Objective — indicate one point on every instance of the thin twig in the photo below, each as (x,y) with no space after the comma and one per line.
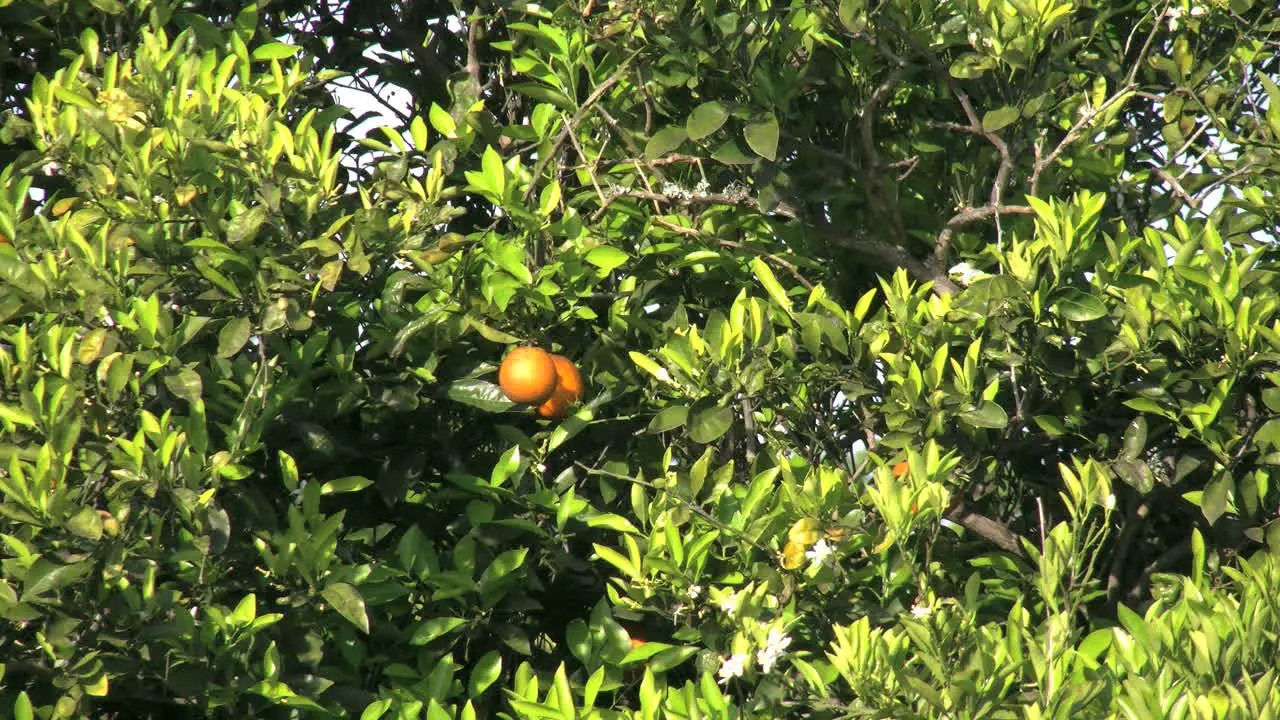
(595,95)
(780,262)
(1087,118)
(573,137)
(696,510)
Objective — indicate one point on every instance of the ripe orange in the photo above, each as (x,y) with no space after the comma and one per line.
(568,391)
(527,375)
(900,469)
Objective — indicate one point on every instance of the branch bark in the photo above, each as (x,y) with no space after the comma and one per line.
(993,531)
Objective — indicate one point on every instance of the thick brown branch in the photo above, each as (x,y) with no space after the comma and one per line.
(893,256)
(967,216)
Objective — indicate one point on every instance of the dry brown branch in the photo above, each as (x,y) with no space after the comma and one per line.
(967,216)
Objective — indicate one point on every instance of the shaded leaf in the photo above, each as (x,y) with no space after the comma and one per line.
(233,336)
(479,393)
(762,137)
(985,415)
(705,119)
(996,119)
(346,599)
(668,139)
(709,424)
(1079,306)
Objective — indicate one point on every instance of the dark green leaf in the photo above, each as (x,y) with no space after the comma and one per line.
(346,599)
(1135,438)
(708,424)
(1079,306)
(731,154)
(669,418)
(479,393)
(45,576)
(985,415)
(233,335)
(997,119)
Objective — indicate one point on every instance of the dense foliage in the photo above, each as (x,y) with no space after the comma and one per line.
(932,351)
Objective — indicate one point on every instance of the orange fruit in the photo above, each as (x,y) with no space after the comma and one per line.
(527,375)
(900,469)
(636,642)
(568,391)
(4,240)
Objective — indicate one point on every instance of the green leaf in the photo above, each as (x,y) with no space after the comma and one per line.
(495,174)
(45,576)
(484,673)
(985,415)
(16,415)
(346,599)
(22,707)
(233,335)
(434,628)
(997,119)
(770,282)
(606,257)
(669,418)
(274,51)
(480,394)
(441,120)
(352,483)
(1079,306)
(617,559)
(668,139)
(376,709)
(244,227)
(709,424)
(502,566)
(1214,501)
(1051,425)
(705,119)
(762,136)
(730,153)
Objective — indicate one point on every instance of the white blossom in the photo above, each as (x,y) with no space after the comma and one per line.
(695,590)
(774,648)
(920,610)
(820,552)
(734,666)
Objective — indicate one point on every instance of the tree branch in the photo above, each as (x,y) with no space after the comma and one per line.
(993,531)
(967,216)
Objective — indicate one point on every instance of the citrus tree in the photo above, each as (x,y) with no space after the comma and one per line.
(927,355)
